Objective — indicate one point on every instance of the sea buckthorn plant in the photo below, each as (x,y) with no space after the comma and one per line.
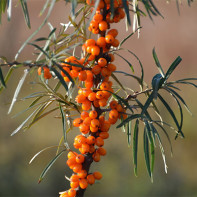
(93,99)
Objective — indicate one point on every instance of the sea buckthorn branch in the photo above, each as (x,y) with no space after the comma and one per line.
(92,125)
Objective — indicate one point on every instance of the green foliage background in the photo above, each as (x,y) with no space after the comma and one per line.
(172,36)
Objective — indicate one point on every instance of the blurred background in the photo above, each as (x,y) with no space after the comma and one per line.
(172,36)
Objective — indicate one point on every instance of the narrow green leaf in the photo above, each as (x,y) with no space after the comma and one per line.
(49,166)
(148,102)
(112,9)
(129,133)
(146,152)
(155,8)
(63,123)
(40,49)
(25,12)
(125,39)
(156,84)
(172,67)
(181,99)
(2,78)
(126,8)
(9,9)
(20,84)
(130,65)
(158,63)
(23,123)
(135,145)
(171,113)
(47,148)
(117,81)
(60,78)
(129,118)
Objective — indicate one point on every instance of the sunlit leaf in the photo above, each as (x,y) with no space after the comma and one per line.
(135,145)
(25,12)
(50,164)
(22,80)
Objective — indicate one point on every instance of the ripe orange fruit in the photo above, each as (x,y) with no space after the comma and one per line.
(99,141)
(102,62)
(47,74)
(101,42)
(83,183)
(97,175)
(74,178)
(82,75)
(90,42)
(96,157)
(77,122)
(90,140)
(95,50)
(80,158)
(101,151)
(91,179)
(103,26)
(92,96)
(113,114)
(74,184)
(93,114)
(109,39)
(72,192)
(82,174)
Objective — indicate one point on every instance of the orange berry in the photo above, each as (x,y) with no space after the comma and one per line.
(82,75)
(119,108)
(95,50)
(90,42)
(94,25)
(95,31)
(113,32)
(88,84)
(99,95)
(71,162)
(97,175)
(93,129)
(104,135)
(47,74)
(85,148)
(92,96)
(72,192)
(80,158)
(74,73)
(86,105)
(87,121)
(92,149)
(71,154)
(80,91)
(90,179)
(105,72)
(86,92)
(83,183)
(77,167)
(99,141)
(77,122)
(96,103)
(88,49)
(98,17)
(101,4)
(101,42)
(82,174)
(111,57)
(109,39)
(93,114)
(115,43)
(103,102)
(113,114)
(113,104)
(74,178)
(104,86)
(84,128)
(89,75)
(103,26)
(81,139)
(101,151)
(90,140)
(96,69)
(106,94)
(106,126)
(102,62)
(95,123)
(96,157)
(113,120)
(74,184)
(80,98)
(101,119)
(84,115)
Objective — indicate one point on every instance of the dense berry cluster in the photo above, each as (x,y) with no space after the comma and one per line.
(94,72)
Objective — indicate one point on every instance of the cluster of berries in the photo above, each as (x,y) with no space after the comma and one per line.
(94,72)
